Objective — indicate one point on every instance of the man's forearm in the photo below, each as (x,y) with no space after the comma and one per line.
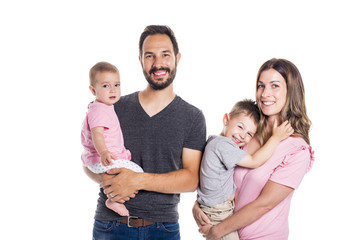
(124,182)
(178,181)
(182,180)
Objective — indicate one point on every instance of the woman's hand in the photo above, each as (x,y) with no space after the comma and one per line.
(206,231)
(200,217)
(210,233)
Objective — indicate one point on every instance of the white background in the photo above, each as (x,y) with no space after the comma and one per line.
(48,47)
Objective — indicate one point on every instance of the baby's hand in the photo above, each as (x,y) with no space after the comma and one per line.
(283,131)
(106,158)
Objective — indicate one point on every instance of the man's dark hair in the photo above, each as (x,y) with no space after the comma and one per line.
(158,29)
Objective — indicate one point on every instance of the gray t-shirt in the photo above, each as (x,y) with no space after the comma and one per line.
(156,144)
(217,169)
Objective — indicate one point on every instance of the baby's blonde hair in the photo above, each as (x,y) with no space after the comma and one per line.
(101,67)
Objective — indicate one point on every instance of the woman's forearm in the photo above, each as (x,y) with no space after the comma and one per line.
(271,195)
(245,216)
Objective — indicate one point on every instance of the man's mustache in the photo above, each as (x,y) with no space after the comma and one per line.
(154,69)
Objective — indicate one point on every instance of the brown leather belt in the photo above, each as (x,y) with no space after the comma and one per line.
(136,222)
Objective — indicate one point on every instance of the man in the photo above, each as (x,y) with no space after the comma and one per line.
(165,136)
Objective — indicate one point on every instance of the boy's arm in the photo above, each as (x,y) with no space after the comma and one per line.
(265,152)
(261,155)
(97,134)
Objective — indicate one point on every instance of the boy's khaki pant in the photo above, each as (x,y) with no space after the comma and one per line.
(219,213)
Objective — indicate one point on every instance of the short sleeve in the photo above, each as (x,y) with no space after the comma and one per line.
(229,153)
(196,138)
(293,168)
(98,116)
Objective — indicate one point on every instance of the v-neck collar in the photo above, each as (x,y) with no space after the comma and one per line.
(160,113)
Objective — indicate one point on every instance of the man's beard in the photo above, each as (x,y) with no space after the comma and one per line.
(157,85)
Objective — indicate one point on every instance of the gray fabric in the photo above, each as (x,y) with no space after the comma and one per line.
(156,145)
(217,169)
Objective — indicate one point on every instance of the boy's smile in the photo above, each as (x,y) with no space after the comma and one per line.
(240,128)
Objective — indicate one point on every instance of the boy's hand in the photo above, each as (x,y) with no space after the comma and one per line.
(106,158)
(283,131)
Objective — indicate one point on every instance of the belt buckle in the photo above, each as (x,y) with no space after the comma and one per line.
(128,220)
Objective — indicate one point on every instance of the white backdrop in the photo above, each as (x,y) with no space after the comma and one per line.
(47,48)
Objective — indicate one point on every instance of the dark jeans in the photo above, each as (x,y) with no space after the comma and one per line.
(114,230)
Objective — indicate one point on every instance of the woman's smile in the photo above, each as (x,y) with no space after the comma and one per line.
(271,92)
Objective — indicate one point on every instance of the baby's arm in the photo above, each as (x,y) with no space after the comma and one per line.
(265,152)
(97,134)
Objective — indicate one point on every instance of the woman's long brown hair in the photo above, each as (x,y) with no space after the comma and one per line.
(294,109)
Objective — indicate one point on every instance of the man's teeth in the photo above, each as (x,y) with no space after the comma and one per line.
(159,73)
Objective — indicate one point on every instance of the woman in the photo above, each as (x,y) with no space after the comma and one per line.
(263,195)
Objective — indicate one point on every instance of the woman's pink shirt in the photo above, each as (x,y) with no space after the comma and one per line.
(102,115)
(287,166)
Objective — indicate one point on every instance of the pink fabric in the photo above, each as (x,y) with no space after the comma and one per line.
(287,166)
(102,115)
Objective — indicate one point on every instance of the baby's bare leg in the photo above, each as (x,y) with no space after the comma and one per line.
(117,207)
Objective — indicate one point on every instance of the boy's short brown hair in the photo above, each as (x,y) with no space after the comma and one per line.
(248,107)
(101,67)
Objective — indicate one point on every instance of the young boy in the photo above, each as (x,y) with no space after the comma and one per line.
(101,134)
(223,153)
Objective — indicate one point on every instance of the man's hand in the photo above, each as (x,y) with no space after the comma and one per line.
(120,184)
